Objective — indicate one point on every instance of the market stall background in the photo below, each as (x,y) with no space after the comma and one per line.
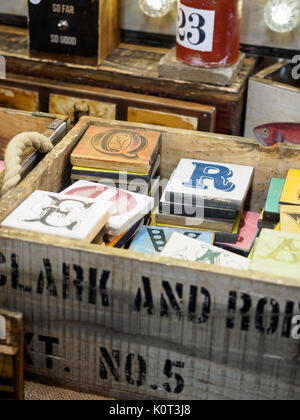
(128,87)
(254,29)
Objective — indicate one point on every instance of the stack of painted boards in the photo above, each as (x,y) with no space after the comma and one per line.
(121,158)
(206,195)
(153,239)
(283,204)
(290,204)
(186,245)
(248,232)
(127,213)
(96,213)
(277,251)
(60,215)
(87,212)
(270,216)
(203,195)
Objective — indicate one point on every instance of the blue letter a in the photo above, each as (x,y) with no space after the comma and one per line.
(218,174)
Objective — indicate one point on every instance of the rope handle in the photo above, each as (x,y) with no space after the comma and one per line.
(14,152)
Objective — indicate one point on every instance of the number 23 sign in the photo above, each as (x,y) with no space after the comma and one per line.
(195,28)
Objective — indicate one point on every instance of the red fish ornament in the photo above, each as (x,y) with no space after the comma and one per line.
(269,135)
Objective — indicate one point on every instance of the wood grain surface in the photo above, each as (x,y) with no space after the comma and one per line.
(21,99)
(76,100)
(133,326)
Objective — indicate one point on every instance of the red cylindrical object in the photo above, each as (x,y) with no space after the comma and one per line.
(208,32)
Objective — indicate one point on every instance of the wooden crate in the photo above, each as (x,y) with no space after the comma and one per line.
(14,122)
(132,68)
(11,356)
(76,101)
(129,325)
(273,96)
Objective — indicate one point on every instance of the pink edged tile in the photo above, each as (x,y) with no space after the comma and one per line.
(128,207)
(247,233)
(2,166)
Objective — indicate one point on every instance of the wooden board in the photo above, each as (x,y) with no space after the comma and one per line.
(124,216)
(75,108)
(117,150)
(87,216)
(198,182)
(11,355)
(277,253)
(134,69)
(189,249)
(14,122)
(76,101)
(161,118)
(127,325)
(207,345)
(171,68)
(22,99)
(152,239)
(290,219)
(110,31)
(290,193)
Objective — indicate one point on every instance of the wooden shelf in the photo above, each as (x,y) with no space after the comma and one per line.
(131,68)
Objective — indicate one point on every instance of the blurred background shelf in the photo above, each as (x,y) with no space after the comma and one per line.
(134,69)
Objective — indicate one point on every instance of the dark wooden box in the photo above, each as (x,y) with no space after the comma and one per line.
(76,31)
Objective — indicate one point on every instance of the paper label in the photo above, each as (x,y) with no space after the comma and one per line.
(195,28)
(2,328)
